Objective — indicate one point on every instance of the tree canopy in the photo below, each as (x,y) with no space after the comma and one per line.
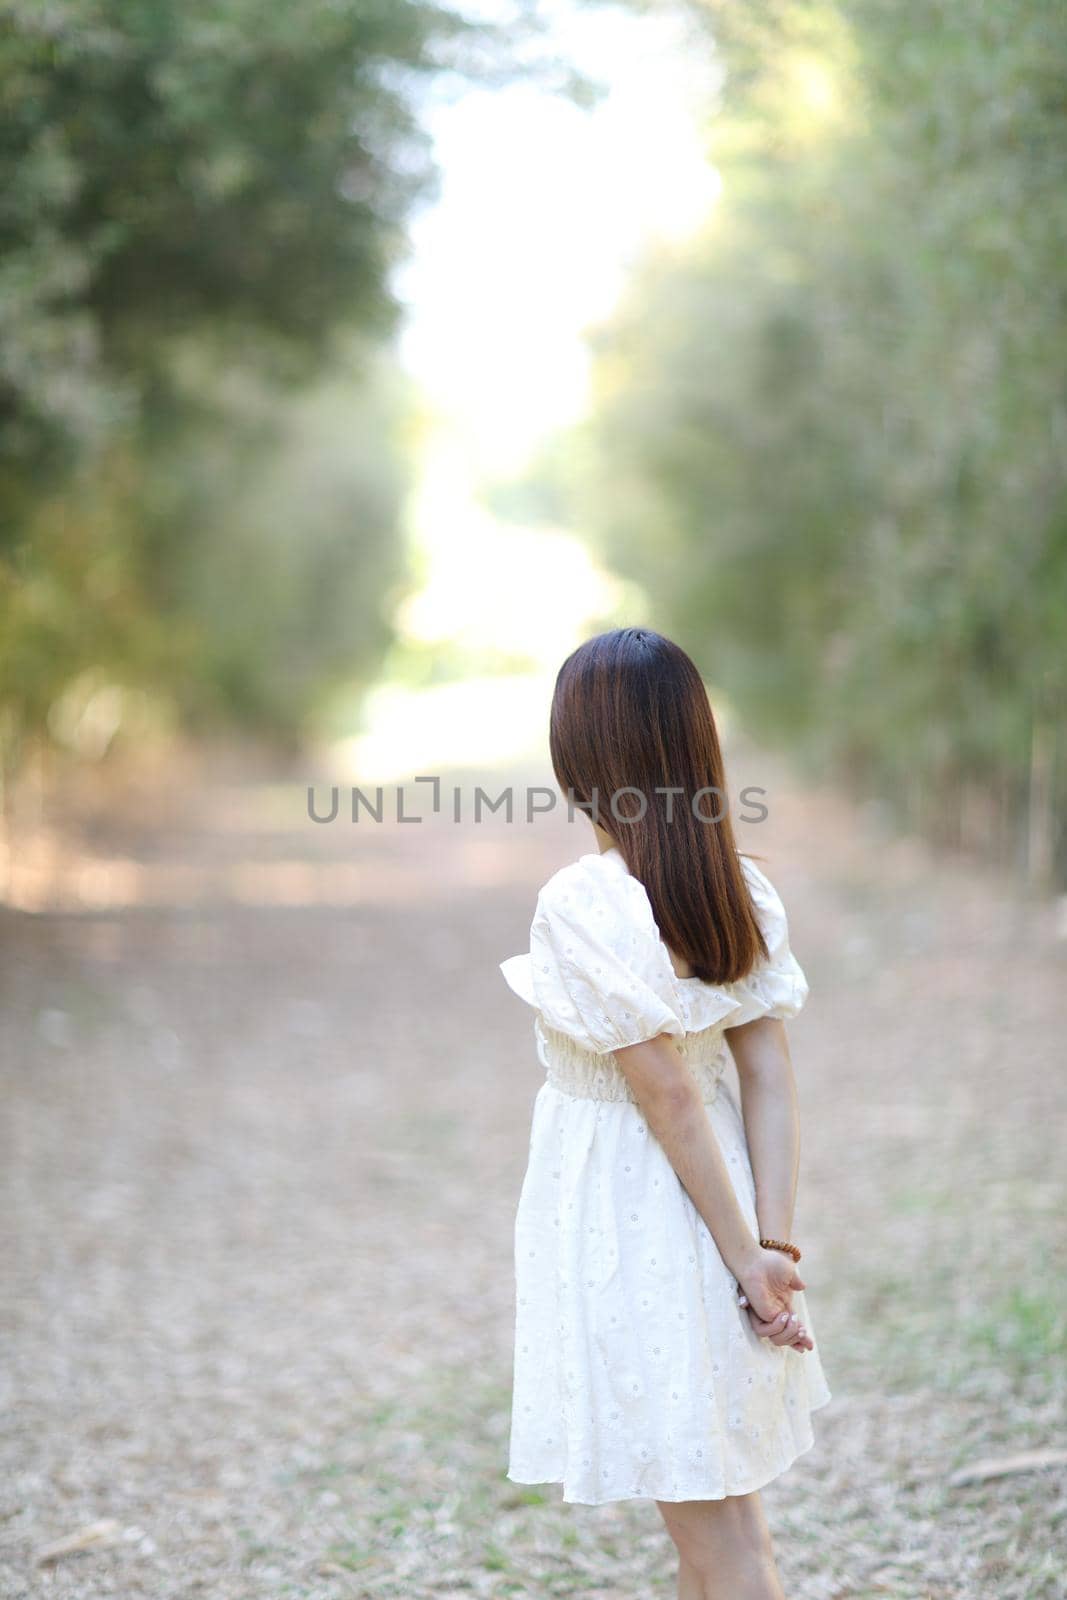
(829,434)
(201,205)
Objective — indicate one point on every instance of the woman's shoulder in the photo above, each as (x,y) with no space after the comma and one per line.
(751,868)
(600,880)
(597,894)
(594,887)
(598,970)
(768,902)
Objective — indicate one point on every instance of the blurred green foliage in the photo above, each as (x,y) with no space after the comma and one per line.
(202,429)
(829,434)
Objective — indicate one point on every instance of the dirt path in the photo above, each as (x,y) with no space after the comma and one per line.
(266,1104)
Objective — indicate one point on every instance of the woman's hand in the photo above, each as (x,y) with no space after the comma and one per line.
(766,1289)
(786,1328)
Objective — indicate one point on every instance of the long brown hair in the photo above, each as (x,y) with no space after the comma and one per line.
(630,712)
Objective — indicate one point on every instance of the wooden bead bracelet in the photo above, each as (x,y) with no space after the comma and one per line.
(781,1244)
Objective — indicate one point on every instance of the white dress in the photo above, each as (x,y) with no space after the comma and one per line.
(636,1372)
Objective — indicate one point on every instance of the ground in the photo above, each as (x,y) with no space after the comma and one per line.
(266,1105)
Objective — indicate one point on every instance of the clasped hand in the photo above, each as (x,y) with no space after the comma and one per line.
(766,1291)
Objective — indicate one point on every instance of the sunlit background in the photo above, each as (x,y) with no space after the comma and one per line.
(544,206)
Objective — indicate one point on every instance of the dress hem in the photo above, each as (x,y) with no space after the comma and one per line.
(675,1498)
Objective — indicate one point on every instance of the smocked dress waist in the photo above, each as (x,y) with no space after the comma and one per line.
(584,1075)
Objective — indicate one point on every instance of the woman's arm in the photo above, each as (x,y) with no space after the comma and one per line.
(772,1123)
(670,1102)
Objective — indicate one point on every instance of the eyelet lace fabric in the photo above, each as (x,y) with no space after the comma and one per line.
(636,1372)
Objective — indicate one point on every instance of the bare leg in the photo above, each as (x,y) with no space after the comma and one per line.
(690,1583)
(724,1548)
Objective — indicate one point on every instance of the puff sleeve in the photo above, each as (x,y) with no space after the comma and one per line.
(776,987)
(597,972)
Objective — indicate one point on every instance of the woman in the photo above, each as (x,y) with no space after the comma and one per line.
(663,1345)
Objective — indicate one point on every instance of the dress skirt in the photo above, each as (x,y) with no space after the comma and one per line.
(636,1372)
